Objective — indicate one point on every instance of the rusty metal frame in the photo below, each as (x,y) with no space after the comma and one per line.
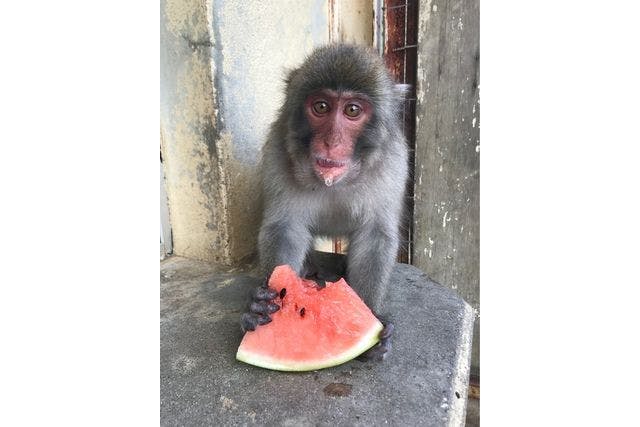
(398,33)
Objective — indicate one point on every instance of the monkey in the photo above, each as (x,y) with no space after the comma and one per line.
(335,163)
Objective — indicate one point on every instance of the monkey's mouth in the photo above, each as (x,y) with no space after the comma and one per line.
(329,170)
(329,163)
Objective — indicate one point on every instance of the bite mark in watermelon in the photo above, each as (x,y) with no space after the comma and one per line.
(315,327)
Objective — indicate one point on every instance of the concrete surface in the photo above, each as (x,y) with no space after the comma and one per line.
(423,381)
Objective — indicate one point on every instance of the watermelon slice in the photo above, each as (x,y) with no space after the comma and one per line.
(315,327)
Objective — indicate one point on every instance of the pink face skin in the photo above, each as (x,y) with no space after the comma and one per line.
(337,119)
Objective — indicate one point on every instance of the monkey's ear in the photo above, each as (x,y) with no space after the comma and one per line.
(290,75)
(402,90)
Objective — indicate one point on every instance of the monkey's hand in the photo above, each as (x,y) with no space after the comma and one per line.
(260,308)
(313,271)
(380,350)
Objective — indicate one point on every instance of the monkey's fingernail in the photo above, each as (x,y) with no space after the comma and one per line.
(259,307)
(263,320)
(387,331)
(272,307)
(264,294)
(265,283)
(248,322)
(330,277)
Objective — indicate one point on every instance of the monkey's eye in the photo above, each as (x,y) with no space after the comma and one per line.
(352,110)
(321,107)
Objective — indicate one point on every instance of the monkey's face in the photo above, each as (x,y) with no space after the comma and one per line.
(337,119)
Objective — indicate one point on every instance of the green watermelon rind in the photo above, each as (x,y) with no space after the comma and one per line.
(368,340)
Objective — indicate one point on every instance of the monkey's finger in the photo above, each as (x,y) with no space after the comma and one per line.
(315,276)
(264,294)
(248,322)
(376,353)
(385,346)
(265,282)
(263,307)
(321,277)
(386,332)
(263,320)
(328,276)
(321,283)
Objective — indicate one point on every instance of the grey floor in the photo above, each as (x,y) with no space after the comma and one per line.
(203,384)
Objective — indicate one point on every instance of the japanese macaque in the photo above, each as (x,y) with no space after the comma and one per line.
(335,164)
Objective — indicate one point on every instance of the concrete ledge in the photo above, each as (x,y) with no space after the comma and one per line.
(422,382)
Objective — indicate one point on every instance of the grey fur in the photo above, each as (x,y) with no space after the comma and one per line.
(366,205)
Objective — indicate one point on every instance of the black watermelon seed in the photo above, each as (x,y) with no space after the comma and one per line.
(283,292)
(457,395)
(302,310)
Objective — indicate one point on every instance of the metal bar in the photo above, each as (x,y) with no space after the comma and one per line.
(411,46)
(394,7)
(406,3)
(400,30)
(166,240)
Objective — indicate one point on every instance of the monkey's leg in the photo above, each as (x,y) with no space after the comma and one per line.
(371,258)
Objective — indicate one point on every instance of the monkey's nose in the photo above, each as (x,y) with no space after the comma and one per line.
(332,142)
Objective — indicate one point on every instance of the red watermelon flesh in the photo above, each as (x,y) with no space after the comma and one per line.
(315,327)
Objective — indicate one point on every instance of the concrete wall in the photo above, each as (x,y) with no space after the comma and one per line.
(222,65)
(447,180)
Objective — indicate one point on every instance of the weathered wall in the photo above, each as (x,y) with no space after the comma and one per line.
(222,65)
(351,21)
(189,144)
(446,214)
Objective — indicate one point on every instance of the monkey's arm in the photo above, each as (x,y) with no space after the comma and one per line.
(370,259)
(372,252)
(282,240)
